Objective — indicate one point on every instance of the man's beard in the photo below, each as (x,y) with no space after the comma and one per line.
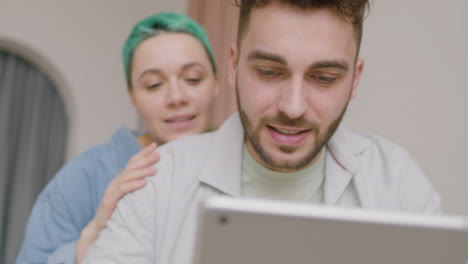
(253,136)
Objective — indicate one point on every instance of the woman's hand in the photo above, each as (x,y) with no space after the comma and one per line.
(131,179)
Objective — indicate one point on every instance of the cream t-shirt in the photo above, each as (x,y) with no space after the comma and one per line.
(300,186)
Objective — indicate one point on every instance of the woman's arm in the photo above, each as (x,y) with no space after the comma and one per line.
(63,222)
(131,179)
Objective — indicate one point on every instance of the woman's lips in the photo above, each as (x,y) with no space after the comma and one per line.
(181,121)
(288,136)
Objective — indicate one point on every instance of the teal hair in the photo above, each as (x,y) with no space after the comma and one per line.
(167,22)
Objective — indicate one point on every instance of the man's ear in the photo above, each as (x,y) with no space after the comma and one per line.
(357,76)
(233,63)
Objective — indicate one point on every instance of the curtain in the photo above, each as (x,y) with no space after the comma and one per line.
(219,18)
(33,129)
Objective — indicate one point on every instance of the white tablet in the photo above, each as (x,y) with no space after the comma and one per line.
(243,231)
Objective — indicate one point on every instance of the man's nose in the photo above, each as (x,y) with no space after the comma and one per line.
(293,99)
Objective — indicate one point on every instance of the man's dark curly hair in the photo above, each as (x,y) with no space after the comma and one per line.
(353,10)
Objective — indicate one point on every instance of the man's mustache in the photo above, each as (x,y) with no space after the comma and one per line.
(283,120)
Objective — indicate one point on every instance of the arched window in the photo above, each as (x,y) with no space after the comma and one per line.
(33,133)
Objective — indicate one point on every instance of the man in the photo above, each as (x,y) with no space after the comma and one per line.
(295,68)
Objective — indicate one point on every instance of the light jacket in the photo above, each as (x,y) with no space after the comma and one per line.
(157,224)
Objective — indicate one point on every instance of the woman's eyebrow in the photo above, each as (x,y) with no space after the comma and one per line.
(151,70)
(192,64)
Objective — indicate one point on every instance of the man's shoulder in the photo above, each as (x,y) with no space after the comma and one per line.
(190,142)
(188,149)
(384,159)
(182,159)
(355,143)
(201,157)
(396,179)
(370,154)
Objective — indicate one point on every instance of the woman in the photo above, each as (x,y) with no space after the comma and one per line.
(171,77)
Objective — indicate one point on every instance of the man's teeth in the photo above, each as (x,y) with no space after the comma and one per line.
(287,132)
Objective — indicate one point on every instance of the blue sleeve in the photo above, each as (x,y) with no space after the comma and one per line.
(65,254)
(62,210)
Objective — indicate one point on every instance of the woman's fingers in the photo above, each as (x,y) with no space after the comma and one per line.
(149,160)
(123,189)
(129,175)
(136,160)
(140,173)
(147,150)
(124,184)
(112,197)
(131,179)
(142,161)
(115,188)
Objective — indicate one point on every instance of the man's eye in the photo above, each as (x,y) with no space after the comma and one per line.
(193,81)
(268,73)
(324,79)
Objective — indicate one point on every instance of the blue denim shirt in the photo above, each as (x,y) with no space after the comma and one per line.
(69,202)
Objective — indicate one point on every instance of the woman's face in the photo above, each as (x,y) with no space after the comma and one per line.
(173,86)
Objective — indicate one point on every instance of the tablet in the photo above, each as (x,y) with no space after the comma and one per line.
(247,231)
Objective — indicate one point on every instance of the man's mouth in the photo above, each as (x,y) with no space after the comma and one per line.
(288,136)
(288,132)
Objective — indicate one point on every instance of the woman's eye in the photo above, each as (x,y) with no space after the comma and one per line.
(153,86)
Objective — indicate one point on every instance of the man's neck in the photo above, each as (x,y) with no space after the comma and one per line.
(258,159)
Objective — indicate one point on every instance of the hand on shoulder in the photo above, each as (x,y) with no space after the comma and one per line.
(132,178)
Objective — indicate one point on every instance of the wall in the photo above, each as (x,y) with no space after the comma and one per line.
(415,88)
(79,43)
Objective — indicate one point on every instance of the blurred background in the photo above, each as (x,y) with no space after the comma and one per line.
(62,87)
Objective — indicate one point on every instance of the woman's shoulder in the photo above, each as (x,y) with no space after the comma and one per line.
(94,168)
(110,156)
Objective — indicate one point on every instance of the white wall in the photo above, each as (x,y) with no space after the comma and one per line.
(80,44)
(415,87)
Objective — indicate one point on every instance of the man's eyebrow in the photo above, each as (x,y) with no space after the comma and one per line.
(263,55)
(338,64)
(257,54)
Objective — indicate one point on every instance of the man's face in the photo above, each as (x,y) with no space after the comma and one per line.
(295,73)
